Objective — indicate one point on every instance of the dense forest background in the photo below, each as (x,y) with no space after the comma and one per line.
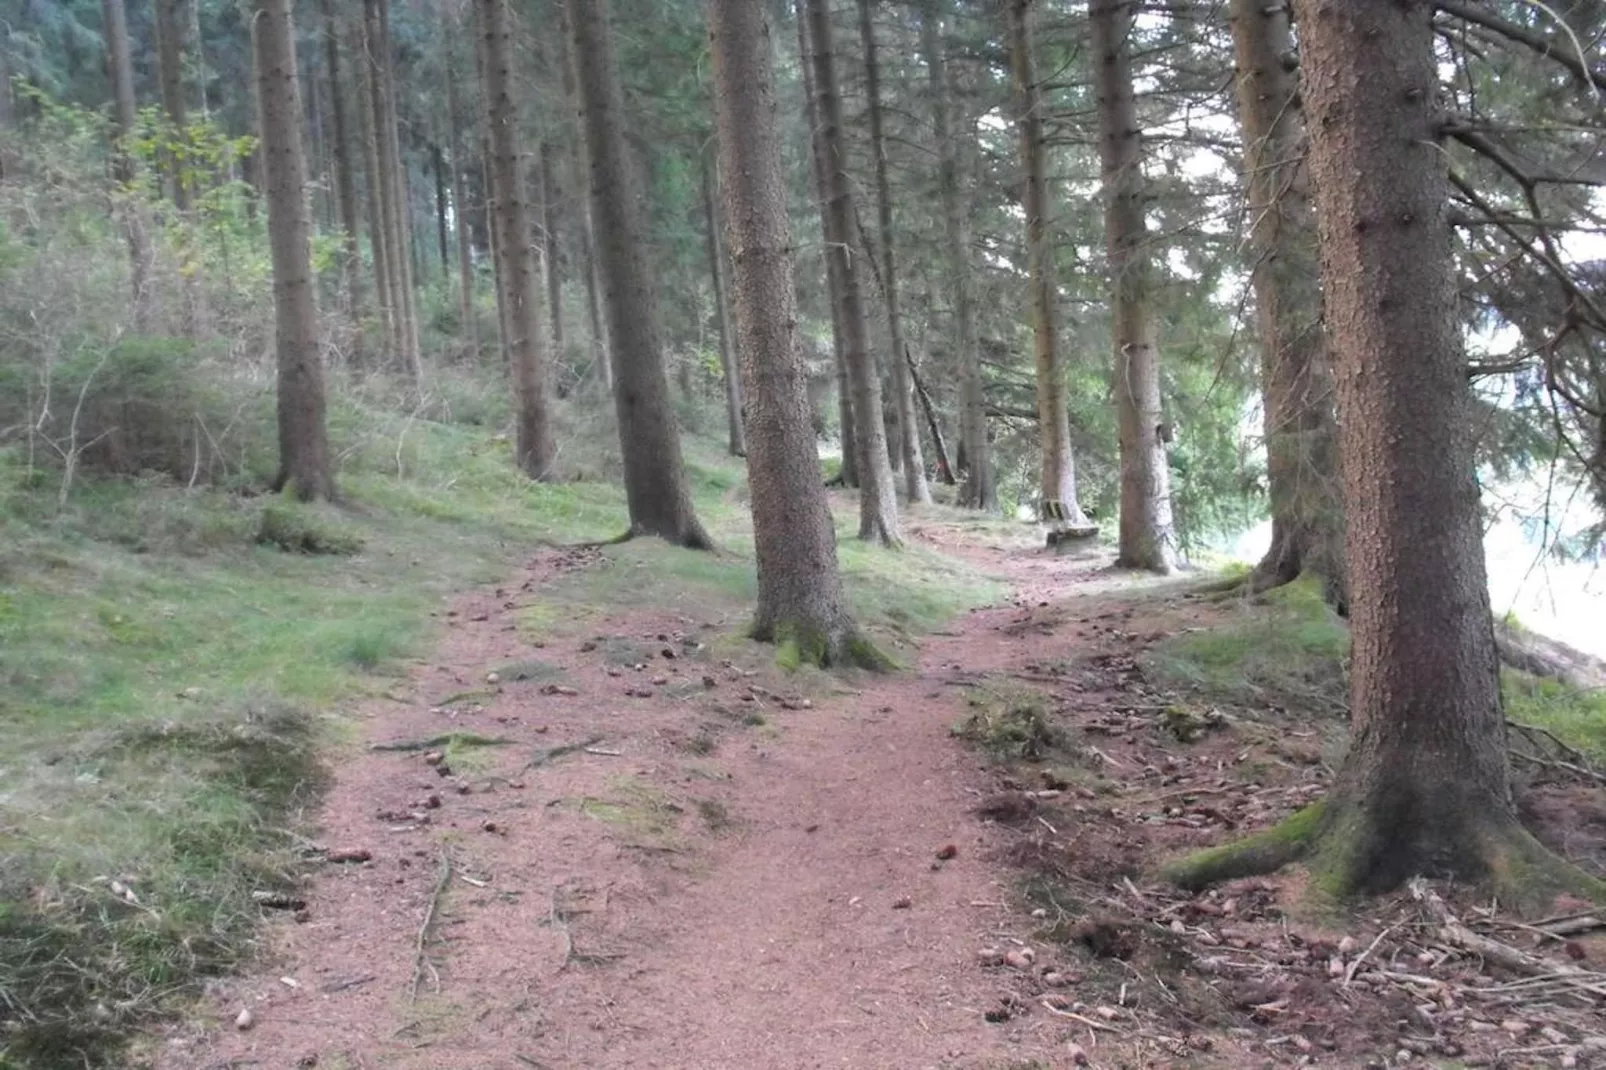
(313,313)
(180,370)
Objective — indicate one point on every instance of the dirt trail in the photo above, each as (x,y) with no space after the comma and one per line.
(682,894)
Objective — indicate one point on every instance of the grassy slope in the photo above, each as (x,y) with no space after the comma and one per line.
(1291,651)
(168,688)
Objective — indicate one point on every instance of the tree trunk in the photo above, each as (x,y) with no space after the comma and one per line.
(981,485)
(849,472)
(499,268)
(126,112)
(655,482)
(550,248)
(171,16)
(437,160)
(1425,788)
(716,275)
(600,345)
(533,446)
(395,171)
(460,213)
(1296,380)
(8,119)
(878,505)
(908,446)
(171,21)
(345,182)
(1147,535)
(381,190)
(1053,418)
(800,601)
(317,149)
(304,462)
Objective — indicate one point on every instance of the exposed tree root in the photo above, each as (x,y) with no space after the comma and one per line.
(1350,853)
(841,646)
(693,539)
(1261,579)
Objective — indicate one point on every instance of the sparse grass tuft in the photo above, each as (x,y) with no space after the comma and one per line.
(1578,718)
(191,830)
(164,676)
(1286,649)
(714,815)
(305,529)
(1011,725)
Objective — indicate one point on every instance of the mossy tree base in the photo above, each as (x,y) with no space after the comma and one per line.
(1350,853)
(841,646)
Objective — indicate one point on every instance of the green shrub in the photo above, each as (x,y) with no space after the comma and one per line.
(145,404)
(303,529)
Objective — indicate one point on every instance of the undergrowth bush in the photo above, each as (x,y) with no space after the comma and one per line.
(87,947)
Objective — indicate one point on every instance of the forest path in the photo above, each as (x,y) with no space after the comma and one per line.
(743,869)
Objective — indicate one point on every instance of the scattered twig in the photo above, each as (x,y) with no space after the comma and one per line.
(466,739)
(543,757)
(421,963)
(1349,974)
(1084,1019)
(1106,758)
(1503,955)
(341,986)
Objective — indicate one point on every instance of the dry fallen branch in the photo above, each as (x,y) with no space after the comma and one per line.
(1454,933)
(462,739)
(421,963)
(543,757)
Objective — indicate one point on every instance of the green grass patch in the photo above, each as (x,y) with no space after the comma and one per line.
(1289,650)
(144,629)
(173,659)
(635,808)
(1286,649)
(1578,718)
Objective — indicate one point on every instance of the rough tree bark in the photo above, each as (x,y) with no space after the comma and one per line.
(655,479)
(171,18)
(381,231)
(716,274)
(393,170)
(1058,482)
(878,504)
(460,213)
(1147,536)
(1296,380)
(848,473)
(437,160)
(915,486)
(800,602)
(126,113)
(515,261)
(304,461)
(981,485)
(550,247)
(600,345)
(345,181)
(1425,788)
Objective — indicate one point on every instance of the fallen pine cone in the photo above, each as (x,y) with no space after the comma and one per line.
(350,854)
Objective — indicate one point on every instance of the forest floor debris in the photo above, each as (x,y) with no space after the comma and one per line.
(796,870)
